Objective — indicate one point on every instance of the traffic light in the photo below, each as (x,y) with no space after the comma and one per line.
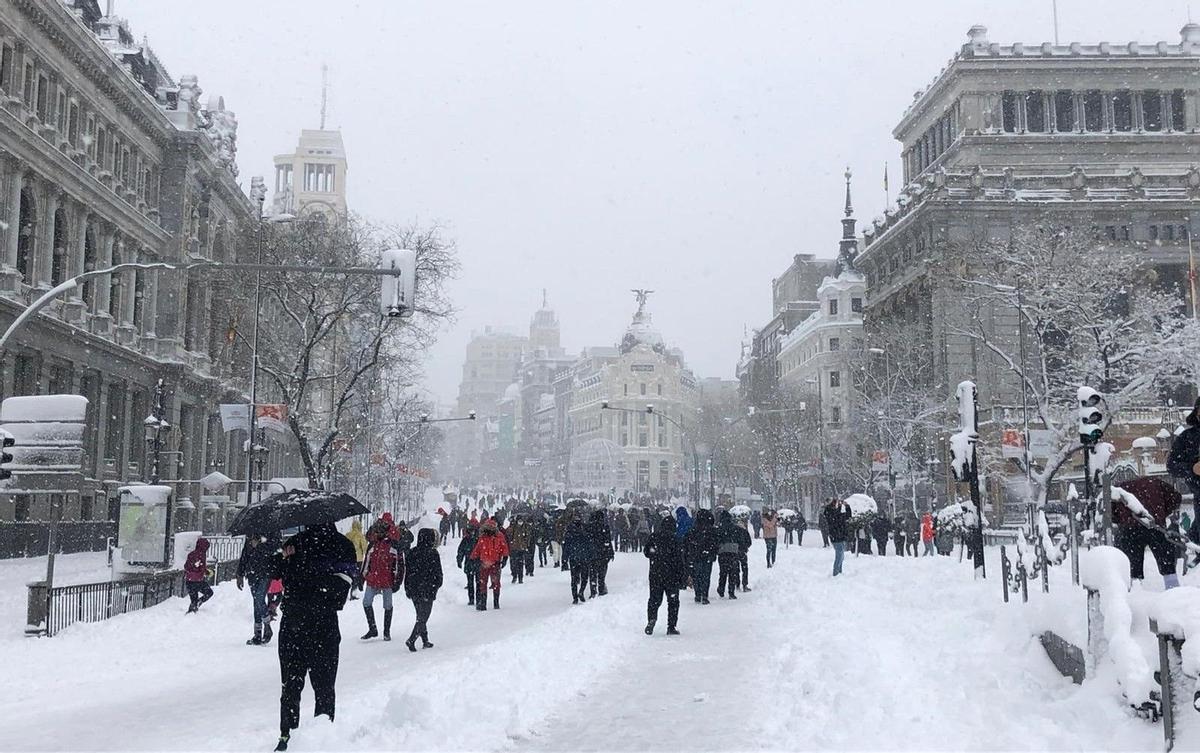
(961,446)
(1091,416)
(397,290)
(6,456)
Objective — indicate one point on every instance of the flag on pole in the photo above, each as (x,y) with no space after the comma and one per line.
(885,179)
(269,416)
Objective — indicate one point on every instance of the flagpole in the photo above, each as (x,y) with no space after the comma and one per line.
(887,194)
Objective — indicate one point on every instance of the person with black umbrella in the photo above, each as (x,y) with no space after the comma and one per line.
(317,567)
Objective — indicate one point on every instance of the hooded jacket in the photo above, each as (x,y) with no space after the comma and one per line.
(728,540)
(1185,453)
(358,539)
(837,521)
(195,567)
(255,561)
(683,522)
(383,528)
(577,545)
(926,528)
(467,544)
(520,535)
(600,536)
(700,544)
(667,567)
(424,571)
(491,548)
(383,567)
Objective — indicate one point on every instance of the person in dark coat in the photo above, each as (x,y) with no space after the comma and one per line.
(880,527)
(756,522)
(824,526)
(422,579)
(602,548)
(317,568)
(255,565)
(1161,501)
(729,555)
(470,535)
(744,544)
(801,526)
(543,533)
(899,531)
(1184,461)
(668,574)
(837,523)
(577,550)
(700,548)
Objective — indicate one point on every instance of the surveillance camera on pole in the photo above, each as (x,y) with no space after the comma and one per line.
(397,290)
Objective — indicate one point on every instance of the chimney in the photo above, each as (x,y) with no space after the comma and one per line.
(977,35)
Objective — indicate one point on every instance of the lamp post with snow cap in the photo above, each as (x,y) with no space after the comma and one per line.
(155,426)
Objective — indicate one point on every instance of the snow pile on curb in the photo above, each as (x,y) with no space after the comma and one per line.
(1177,612)
(1105,569)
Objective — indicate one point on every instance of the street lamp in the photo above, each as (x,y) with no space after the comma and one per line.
(155,426)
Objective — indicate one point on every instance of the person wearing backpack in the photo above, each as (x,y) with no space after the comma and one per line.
(422,579)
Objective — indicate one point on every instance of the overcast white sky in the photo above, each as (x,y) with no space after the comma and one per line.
(589,148)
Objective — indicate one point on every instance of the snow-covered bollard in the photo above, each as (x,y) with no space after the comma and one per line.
(1174,615)
(1104,572)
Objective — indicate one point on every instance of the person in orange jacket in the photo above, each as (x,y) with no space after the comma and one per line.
(927,534)
(492,553)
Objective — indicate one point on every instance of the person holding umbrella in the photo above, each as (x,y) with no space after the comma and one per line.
(316,567)
(421,584)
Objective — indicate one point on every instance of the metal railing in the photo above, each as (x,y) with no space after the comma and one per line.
(51,610)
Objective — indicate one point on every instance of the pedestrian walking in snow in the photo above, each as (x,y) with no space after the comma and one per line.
(255,565)
(898,534)
(316,567)
(700,546)
(642,529)
(602,551)
(789,530)
(1184,463)
(729,556)
(927,534)
(543,534)
(444,525)
(744,543)
(560,533)
(195,575)
(823,525)
(880,527)
(520,543)
(359,540)
(912,537)
(578,550)
(491,551)
(756,521)
(422,579)
(463,559)
(837,523)
(770,534)
(683,522)
(668,574)
(801,526)
(383,572)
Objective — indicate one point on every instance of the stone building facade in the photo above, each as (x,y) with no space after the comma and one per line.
(1104,136)
(105,159)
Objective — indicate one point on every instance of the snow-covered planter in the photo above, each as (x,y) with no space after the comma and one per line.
(1105,571)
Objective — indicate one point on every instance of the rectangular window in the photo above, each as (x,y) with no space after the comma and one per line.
(835,414)
(1178,121)
(1008,107)
(660,389)
(1035,112)
(643,388)
(6,68)
(43,99)
(856,305)
(1064,112)
(662,439)
(624,439)
(643,439)
(1110,232)
(86,507)
(60,112)
(1093,111)
(29,85)
(1169,232)
(1122,104)
(21,508)
(835,379)
(1154,232)
(624,419)
(73,125)
(1152,110)
(835,344)
(833,307)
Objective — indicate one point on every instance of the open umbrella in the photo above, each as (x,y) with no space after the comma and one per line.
(299,507)
(786,513)
(738,511)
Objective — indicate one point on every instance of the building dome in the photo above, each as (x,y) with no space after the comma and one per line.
(512,393)
(641,332)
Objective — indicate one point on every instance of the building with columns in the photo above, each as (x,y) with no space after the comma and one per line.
(105,158)
(312,178)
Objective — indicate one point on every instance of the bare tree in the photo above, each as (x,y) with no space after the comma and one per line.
(324,339)
(1092,315)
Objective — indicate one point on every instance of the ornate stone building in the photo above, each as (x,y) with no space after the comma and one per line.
(1101,136)
(106,158)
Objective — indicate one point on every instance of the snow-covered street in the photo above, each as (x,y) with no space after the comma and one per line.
(896,654)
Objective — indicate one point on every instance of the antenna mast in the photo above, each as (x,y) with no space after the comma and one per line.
(324,92)
(1054,6)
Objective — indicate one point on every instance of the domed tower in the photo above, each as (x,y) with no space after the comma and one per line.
(848,245)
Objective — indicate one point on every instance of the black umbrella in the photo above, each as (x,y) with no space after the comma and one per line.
(299,507)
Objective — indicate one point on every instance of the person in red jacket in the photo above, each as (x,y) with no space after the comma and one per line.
(927,534)
(195,575)
(1160,499)
(383,573)
(492,552)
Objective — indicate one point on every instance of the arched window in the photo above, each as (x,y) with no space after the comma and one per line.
(89,264)
(58,254)
(114,283)
(26,234)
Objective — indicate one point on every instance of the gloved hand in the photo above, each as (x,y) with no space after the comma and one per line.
(240,583)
